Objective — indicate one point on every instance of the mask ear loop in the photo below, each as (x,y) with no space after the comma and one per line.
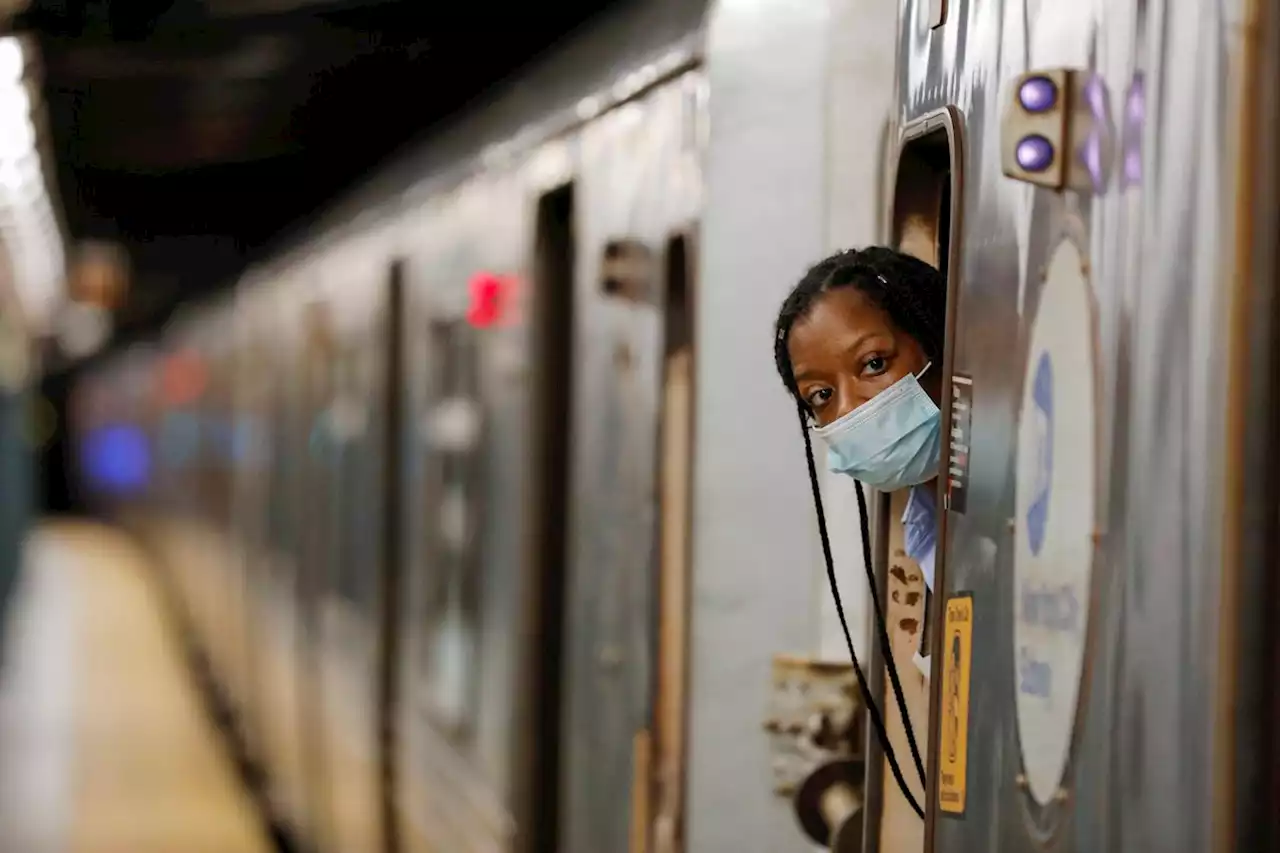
(877,722)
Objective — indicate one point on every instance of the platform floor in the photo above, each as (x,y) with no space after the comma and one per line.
(104,743)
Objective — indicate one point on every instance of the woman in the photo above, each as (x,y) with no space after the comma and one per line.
(858,343)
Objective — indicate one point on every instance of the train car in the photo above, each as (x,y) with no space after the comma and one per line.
(1112,221)
(1096,184)
(512,547)
(515,337)
(406,477)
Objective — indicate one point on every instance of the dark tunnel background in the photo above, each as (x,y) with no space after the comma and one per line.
(166,145)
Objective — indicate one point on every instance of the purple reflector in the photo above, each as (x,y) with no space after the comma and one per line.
(1092,157)
(1035,153)
(1037,94)
(1096,95)
(1133,167)
(1136,108)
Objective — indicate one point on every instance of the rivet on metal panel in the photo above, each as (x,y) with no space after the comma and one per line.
(610,657)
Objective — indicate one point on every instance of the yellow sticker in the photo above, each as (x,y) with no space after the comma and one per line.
(957,653)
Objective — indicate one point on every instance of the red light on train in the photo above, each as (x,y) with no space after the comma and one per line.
(182,379)
(490,299)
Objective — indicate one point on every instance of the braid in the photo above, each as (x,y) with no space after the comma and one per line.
(910,291)
(877,721)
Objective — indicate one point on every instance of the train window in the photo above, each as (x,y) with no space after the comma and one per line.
(924,221)
(922,226)
(536,798)
(921,218)
(453,546)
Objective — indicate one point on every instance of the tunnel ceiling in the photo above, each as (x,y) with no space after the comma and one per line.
(198,131)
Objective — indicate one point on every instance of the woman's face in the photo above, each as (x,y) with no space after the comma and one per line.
(846,350)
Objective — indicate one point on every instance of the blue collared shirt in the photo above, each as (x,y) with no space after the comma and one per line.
(920,529)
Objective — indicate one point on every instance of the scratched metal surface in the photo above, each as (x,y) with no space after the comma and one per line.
(639,180)
(1140,777)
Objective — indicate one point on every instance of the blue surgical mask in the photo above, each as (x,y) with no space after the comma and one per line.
(890,442)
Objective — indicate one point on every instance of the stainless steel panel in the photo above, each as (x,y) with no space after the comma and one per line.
(638,181)
(457,780)
(1140,773)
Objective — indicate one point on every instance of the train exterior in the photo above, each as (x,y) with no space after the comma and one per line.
(405,476)
(503,538)
(1112,278)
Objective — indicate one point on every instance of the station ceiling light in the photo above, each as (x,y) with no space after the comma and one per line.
(32,244)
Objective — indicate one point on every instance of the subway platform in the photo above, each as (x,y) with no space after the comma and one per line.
(105,742)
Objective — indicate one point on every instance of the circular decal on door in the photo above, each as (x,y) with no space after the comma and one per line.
(1054,544)
(1041,453)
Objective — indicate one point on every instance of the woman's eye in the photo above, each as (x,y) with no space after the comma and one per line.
(819,398)
(874,365)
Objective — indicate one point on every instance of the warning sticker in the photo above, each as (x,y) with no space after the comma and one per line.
(954,741)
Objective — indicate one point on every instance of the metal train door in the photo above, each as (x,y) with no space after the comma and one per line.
(613,571)
(454,509)
(640,180)
(1110,502)
(438,662)
(348,590)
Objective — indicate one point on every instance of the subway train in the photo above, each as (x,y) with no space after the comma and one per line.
(489,517)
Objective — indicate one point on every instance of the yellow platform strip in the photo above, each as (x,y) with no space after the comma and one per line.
(151,774)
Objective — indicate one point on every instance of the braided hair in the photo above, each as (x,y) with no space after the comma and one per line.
(914,295)
(910,291)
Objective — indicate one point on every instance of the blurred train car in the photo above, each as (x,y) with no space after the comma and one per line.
(411,449)
(451,571)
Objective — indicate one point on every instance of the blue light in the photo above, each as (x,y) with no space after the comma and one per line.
(117,458)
